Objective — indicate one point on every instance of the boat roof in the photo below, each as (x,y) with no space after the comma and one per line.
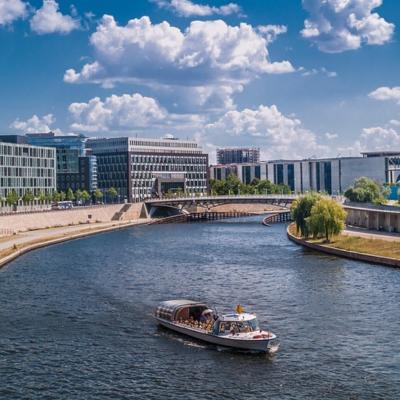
(179,303)
(237,317)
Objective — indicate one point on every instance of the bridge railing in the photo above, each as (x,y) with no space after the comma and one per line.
(227,197)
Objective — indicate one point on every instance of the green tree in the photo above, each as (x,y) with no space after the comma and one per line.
(62,196)
(85,196)
(98,195)
(112,193)
(56,196)
(301,211)
(218,187)
(69,195)
(78,195)
(327,218)
(264,186)
(27,197)
(365,190)
(233,184)
(12,198)
(48,196)
(42,197)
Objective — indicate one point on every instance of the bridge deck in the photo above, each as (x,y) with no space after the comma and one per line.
(273,198)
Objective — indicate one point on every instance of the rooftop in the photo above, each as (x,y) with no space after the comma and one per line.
(380,153)
(237,317)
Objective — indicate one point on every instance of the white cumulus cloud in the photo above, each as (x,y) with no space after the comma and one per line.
(386,93)
(317,71)
(339,25)
(49,19)
(11,10)
(331,136)
(278,135)
(187,8)
(271,32)
(36,124)
(125,112)
(207,56)
(380,138)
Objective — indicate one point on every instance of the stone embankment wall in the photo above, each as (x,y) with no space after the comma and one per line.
(79,215)
(392,262)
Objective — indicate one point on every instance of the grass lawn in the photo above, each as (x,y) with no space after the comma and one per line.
(358,244)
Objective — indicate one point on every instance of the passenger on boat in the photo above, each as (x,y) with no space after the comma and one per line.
(206,315)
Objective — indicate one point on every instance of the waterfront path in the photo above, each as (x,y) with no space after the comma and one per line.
(13,246)
(367,234)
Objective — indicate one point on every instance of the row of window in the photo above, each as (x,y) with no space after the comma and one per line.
(27,182)
(26,172)
(153,159)
(163,143)
(171,167)
(26,162)
(150,175)
(26,151)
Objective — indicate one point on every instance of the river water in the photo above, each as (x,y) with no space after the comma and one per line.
(75,319)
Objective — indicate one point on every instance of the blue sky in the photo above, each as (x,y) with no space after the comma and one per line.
(295,78)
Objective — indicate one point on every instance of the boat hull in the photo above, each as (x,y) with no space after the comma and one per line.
(261,345)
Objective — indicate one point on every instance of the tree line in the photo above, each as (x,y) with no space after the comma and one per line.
(233,185)
(80,196)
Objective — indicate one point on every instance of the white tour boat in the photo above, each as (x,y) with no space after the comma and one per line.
(239,330)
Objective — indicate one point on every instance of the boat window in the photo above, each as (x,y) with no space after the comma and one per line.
(239,326)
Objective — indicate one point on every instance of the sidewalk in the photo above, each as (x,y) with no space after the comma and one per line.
(365,233)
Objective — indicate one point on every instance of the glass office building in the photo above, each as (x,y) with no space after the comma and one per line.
(76,169)
(144,168)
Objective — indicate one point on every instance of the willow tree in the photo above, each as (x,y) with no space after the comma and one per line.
(327,218)
(301,211)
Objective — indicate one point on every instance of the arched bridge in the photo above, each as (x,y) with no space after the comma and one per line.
(174,206)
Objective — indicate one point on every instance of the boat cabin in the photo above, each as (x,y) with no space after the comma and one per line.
(236,323)
(177,310)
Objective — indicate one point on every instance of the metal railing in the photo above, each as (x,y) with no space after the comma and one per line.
(225,197)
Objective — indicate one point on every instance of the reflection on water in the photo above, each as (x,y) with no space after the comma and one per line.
(76,319)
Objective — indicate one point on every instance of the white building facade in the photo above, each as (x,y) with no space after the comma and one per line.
(27,168)
(330,175)
(144,168)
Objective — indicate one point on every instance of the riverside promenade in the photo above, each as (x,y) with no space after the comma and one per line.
(32,231)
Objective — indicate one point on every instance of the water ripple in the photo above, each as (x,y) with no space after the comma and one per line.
(75,320)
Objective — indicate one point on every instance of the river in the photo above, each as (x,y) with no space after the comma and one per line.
(75,318)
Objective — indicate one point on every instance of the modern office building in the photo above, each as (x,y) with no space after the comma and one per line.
(26,168)
(245,172)
(76,168)
(331,175)
(238,155)
(145,168)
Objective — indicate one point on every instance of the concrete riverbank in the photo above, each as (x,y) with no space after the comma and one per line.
(16,245)
(25,232)
(330,248)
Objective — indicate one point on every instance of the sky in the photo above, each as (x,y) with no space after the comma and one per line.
(298,79)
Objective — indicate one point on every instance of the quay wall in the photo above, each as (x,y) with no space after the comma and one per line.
(392,262)
(15,223)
